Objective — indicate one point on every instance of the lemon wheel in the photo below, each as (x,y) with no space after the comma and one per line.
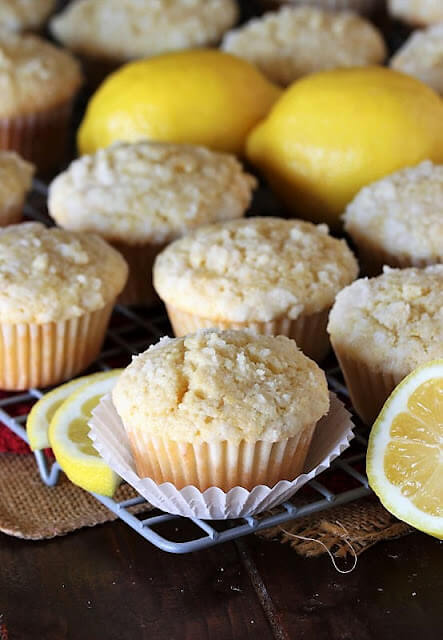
(405,452)
(69,436)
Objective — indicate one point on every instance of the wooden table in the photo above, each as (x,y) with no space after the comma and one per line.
(107,583)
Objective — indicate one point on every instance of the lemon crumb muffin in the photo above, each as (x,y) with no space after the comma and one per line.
(144,29)
(422,56)
(398,220)
(21,15)
(39,82)
(295,41)
(417,12)
(271,275)
(381,329)
(141,196)
(221,408)
(15,181)
(57,290)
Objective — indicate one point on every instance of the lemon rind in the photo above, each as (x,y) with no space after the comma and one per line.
(391,496)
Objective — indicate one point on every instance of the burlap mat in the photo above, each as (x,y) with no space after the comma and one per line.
(361,524)
(30,510)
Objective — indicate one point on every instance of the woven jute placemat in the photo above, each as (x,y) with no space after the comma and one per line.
(30,510)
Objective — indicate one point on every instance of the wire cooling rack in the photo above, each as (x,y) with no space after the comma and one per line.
(132,331)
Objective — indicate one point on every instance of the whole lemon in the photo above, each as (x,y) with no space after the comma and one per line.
(333,132)
(200,96)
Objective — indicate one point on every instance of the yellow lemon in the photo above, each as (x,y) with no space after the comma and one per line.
(41,414)
(69,435)
(405,452)
(202,97)
(333,132)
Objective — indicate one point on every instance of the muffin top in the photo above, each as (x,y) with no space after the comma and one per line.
(256,269)
(222,385)
(149,191)
(402,213)
(418,12)
(144,28)
(51,275)
(18,15)
(34,75)
(392,321)
(15,179)
(422,56)
(295,41)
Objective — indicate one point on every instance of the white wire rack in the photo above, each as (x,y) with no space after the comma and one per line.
(130,332)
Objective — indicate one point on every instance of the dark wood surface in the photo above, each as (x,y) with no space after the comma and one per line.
(108,583)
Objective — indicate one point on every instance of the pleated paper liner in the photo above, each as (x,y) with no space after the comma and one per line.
(140,258)
(220,464)
(368,387)
(41,355)
(11,214)
(331,437)
(41,137)
(373,259)
(308,331)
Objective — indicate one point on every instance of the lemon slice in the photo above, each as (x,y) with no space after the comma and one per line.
(69,439)
(37,423)
(405,452)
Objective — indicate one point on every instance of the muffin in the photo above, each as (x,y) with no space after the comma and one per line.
(417,12)
(57,290)
(221,408)
(15,181)
(89,28)
(295,41)
(381,329)
(422,56)
(38,84)
(141,196)
(398,220)
(24,15)
(270,275)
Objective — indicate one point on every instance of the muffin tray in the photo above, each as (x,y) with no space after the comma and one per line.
(132,331)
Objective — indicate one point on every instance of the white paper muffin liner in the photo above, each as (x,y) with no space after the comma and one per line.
(332,436)
(41,355)
(369,386)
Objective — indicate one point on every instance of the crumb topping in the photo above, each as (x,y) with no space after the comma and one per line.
(50,275)
(149,191)
(143,28)
(34,75)
(402,213)
(417,11)
(295,41)
(222,385)
(256,269)
(394,320)
(16,15)
(422,56)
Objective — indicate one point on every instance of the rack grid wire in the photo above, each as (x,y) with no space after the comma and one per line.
(132,331)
